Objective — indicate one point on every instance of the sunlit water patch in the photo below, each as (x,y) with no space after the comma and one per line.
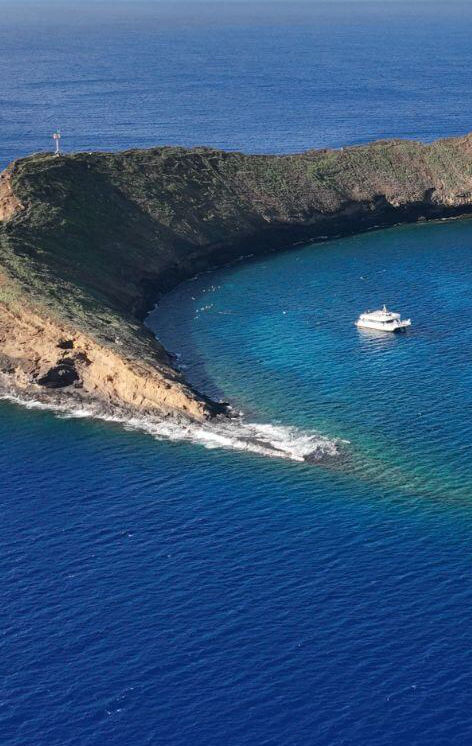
(156,591)
(276,337)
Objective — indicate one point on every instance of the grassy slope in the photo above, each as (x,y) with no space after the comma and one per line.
(101,234)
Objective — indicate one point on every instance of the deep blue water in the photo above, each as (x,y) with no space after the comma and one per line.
(276,335)
(265,77)
(160,592)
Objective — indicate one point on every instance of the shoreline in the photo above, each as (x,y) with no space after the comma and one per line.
(89,243)
(230,433)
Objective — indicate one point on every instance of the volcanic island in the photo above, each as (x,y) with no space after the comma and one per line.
(89,242)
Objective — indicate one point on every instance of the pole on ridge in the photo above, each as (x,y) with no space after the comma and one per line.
(57,137)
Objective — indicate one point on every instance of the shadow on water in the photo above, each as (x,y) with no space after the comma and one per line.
(194,366)
(412,380)
(174,319)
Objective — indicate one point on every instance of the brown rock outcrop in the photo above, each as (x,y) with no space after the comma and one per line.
(38,353)
(88,242)
(9,203)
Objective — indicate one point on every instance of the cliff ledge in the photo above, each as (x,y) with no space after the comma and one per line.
(89,241)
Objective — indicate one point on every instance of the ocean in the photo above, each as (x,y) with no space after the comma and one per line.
(185,587)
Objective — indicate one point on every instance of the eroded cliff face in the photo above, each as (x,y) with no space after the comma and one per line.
(43,357)
(9,203)
(88,241)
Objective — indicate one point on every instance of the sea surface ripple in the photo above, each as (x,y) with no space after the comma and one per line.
(161,592)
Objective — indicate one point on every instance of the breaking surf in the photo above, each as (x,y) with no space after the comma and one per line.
(269,440)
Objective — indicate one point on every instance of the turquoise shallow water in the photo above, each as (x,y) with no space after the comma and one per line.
(276,335)
(158,592)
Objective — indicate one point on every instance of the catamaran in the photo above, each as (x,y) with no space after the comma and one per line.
(384,321)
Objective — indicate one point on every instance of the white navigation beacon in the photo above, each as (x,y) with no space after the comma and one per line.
(383,321)
(57,138)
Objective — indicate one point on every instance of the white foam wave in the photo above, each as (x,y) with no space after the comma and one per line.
(275,441)
(264,439)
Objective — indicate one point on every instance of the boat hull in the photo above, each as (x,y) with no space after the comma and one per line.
(399,326)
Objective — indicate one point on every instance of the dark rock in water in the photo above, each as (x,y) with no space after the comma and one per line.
(318,457)
(339,459)
(217,409)
(61,375)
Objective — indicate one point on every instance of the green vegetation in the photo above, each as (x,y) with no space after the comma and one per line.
(102,234)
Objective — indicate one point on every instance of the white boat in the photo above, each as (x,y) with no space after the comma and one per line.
(384,321)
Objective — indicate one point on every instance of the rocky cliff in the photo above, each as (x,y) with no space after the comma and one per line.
(88,242)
